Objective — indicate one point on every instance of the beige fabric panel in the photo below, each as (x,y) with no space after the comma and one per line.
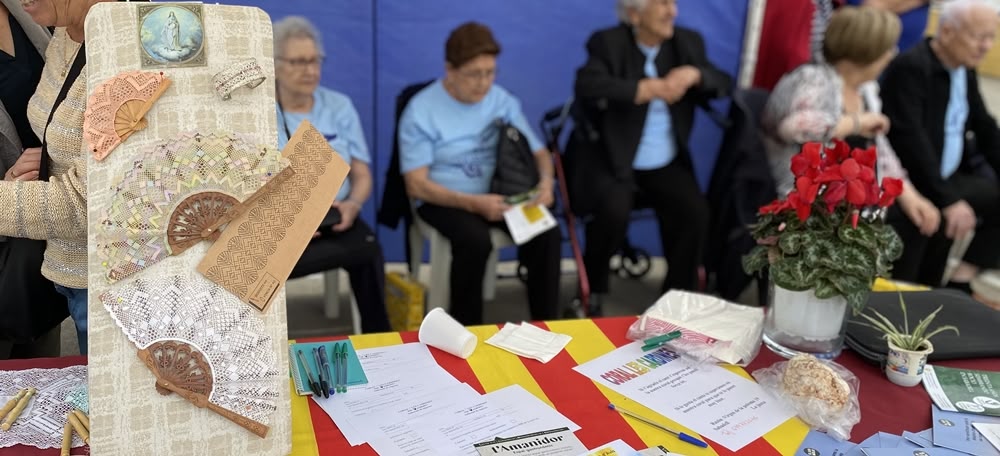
(127,415)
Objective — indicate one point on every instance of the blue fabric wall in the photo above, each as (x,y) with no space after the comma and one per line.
(377,47)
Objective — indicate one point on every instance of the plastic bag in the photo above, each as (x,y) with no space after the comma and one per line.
(712,329)
(822,415)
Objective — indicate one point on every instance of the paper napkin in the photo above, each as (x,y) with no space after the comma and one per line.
(529,341)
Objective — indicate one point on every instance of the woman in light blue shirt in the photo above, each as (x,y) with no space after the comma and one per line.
(447,151)
(298,59)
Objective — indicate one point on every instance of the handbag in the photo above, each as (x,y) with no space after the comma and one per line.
(516,171)
(29,302)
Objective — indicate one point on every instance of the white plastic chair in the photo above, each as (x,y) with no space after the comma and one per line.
(333,303)
(440,261)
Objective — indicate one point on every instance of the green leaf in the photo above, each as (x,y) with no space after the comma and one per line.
(890,242)
(863,235)
(856,299)
(850,259)
(793,274)
(817,252)
(792,242)
(825,289)
(756,260)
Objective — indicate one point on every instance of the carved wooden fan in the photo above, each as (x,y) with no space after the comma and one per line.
(177,194)
(117,108)
(201,343)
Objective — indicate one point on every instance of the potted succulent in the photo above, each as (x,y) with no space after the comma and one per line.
(908,350)
(823,245)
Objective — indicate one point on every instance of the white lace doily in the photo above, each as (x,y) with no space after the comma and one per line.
(41,423)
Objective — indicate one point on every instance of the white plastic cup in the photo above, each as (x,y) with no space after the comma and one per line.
(441,331)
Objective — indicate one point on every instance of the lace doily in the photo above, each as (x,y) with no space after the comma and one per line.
(204,342)
(41,423)
(116,108)
(174,193)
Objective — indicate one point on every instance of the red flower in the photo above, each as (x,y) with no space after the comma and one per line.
(807,162)
(865,157)
(891,188)
(802,208)
(807,189)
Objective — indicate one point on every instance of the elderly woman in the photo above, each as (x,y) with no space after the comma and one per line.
(31,306)
(299,56)
(55,207)
(447,145)
(838,98)
(639,88)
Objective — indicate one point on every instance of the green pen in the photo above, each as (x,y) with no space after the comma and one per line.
(657,341)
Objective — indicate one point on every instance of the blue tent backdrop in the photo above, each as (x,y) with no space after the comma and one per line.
(376,48)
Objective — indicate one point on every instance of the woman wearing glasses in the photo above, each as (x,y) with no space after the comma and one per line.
(298,58)
(447,151)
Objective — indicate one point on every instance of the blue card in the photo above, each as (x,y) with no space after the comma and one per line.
(912,452)
(887,440)
(820,444)
(954,430)
(870,442)
(924,438)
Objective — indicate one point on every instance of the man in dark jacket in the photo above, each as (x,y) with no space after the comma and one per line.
(639,89)
(931,95)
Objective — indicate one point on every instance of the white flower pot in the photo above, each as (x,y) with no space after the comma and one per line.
(799,322)
(906,367)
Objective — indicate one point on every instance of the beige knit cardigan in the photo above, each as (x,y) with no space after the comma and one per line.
(55,210)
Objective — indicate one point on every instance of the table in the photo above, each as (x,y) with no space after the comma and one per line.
(885,407)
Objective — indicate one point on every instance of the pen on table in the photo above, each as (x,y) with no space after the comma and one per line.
(343,363)
(680,435)
(657,341)
(323,384)
(336,366)
(313,386)
(326,370)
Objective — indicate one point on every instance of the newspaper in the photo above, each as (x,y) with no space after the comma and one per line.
(963,390)
(545,443)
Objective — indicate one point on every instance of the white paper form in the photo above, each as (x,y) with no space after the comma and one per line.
(525,221)
(990,431)
(456,430)
(414,409)
(708,399)
(381,393)
(395,358)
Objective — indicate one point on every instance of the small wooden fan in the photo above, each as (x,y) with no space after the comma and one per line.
(117,108)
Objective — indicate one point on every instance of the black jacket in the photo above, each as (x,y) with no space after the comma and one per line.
(915,92)
(606,87)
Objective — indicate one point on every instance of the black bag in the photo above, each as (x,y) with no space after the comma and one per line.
(516,170)
(977,323)
(29,302)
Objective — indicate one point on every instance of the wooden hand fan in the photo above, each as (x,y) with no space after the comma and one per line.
(201,343)
(117,107)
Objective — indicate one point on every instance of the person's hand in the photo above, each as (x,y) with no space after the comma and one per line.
(923,213)
(960,219)
(349,210)
(26,167)
(677,82)
(871,124)
(544,196)
(490,206)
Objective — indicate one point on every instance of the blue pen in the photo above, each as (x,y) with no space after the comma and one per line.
(680,435)
(323,384)
(326,369)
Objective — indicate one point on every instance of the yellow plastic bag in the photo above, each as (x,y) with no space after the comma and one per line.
(404,300)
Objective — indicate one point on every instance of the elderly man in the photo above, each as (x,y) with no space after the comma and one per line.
(639,89)
(931,95)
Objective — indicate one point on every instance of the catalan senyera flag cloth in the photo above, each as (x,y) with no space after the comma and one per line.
(571,393)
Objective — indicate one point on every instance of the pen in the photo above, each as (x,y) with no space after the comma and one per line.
(343,364)
(680,435)
(326,370)
(324,386)
(657,341)
(336,366)
(313,386)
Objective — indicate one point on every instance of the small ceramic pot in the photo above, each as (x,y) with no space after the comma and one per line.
(906,367)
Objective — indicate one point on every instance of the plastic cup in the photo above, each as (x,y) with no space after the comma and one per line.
(441,331)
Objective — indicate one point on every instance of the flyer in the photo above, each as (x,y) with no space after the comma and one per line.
(963,390)
(553,442)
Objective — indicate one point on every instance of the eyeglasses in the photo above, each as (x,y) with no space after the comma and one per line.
(478,75)
(301,64)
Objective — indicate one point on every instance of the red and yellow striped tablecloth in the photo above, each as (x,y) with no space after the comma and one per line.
(574,395)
